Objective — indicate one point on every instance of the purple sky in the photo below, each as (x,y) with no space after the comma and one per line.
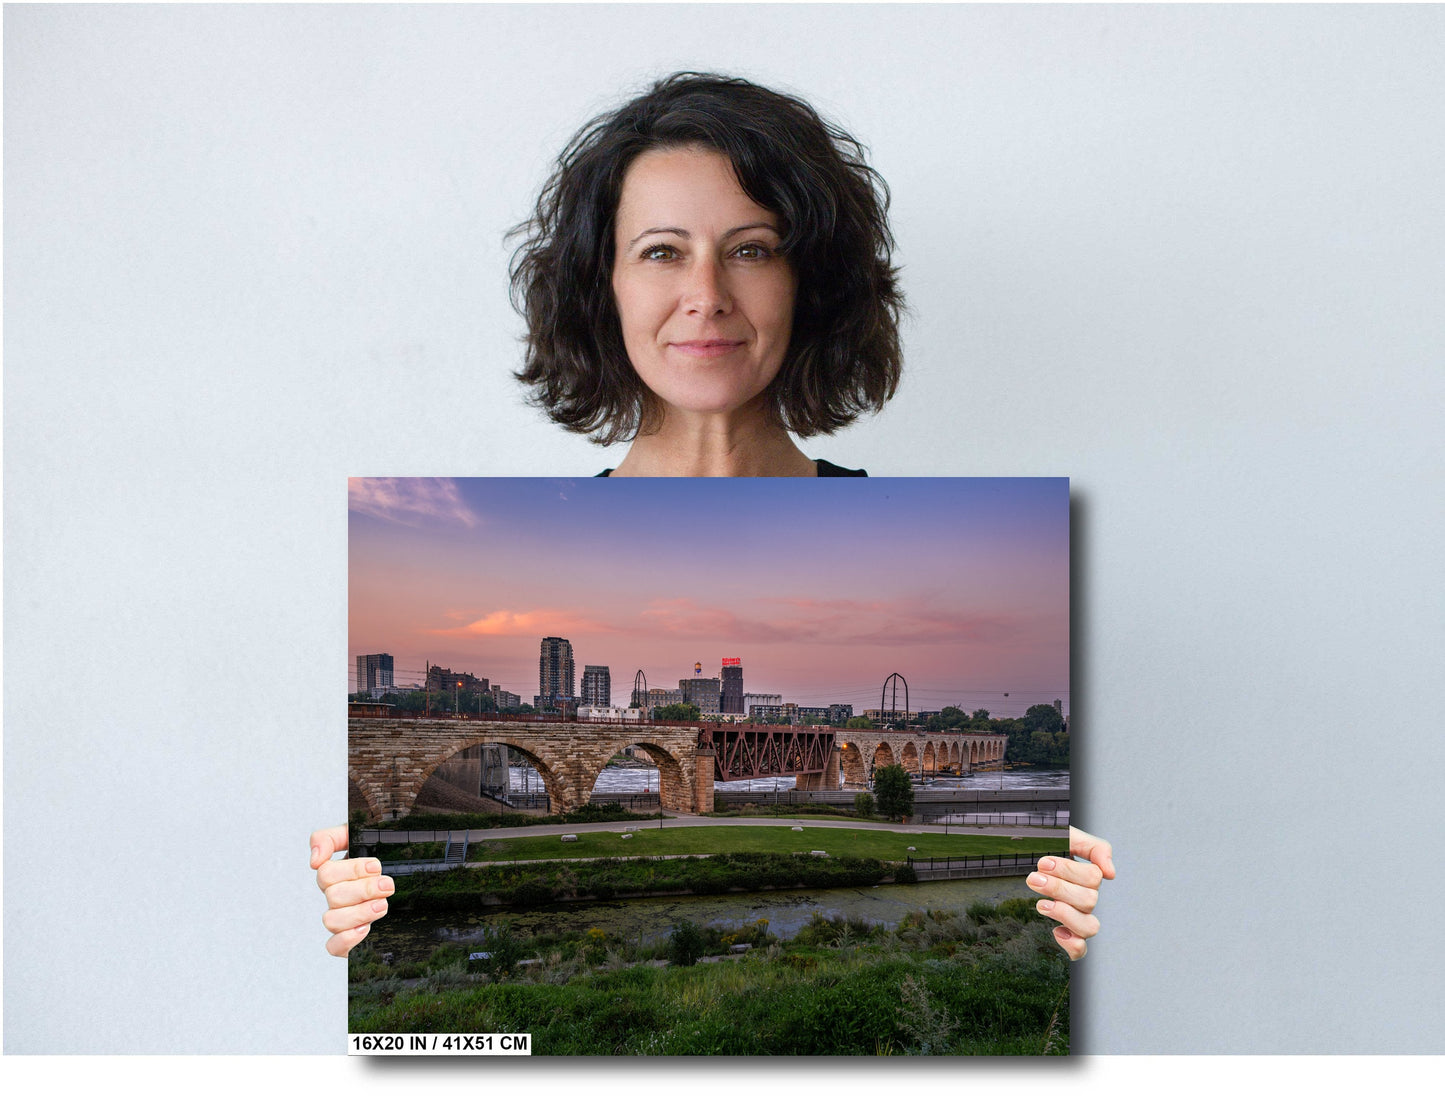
(822,587)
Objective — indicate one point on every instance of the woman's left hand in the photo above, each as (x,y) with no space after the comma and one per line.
(1073,889)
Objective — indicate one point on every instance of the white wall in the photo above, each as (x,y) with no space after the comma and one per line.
(1193,258)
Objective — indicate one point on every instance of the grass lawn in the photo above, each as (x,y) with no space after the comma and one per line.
(649,840)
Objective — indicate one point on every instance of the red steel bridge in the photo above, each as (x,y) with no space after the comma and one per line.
(754,751)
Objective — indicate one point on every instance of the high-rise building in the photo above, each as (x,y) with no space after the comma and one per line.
(731,699)
(556,675)
(764,698)
(597,686)
(373,672)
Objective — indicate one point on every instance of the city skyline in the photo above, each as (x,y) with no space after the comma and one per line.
(821,589)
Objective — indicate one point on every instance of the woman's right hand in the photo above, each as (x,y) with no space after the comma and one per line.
(356,890)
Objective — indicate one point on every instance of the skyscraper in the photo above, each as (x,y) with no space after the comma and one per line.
(556,675)
(373,672)
(732,686)
(597,686)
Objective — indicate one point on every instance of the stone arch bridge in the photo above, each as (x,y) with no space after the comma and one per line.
(389,759)
(927,753)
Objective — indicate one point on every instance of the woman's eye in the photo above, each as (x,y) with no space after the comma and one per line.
(753,251)
(659,253)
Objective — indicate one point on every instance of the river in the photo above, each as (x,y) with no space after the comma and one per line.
(414,936)
(640,779)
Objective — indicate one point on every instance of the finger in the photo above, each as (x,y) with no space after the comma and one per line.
(1075,871)
(1070,942)
(339,870)
(1097,851)
(342,943)
(343,918)
(350,892)
(1080,898)
(1080,924)
(326,842)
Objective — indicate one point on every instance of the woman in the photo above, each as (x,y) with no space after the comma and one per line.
(705,276)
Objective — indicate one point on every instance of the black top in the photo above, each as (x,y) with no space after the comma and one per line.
(825,470)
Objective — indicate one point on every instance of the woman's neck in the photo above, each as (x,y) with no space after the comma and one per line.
(716,446)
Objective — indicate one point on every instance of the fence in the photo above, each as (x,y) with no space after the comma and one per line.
(1013,861)
(1057,819)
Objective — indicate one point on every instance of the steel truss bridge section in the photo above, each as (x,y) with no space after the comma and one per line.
(751,751)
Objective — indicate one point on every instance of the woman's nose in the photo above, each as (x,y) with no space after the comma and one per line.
(707,289)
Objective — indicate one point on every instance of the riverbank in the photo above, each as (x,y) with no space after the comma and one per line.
(988,980)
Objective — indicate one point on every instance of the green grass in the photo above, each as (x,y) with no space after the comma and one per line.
(718,839)
(941,983)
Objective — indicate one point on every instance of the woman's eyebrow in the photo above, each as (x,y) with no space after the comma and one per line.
(684,235)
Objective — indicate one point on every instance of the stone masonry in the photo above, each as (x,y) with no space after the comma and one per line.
(390,759)
(930,752)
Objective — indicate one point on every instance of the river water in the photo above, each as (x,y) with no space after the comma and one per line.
(628,779)
(414,936)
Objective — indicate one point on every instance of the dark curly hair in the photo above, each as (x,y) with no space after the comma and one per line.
(844,356)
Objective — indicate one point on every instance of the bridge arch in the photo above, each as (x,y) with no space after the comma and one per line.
(908,758)
(850,760)
(671,780)
(359,789)
(930,759)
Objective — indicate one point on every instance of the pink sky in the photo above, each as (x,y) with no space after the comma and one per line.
(821,589)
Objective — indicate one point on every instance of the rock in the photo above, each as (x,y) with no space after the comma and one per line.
(569,838)
(817,852)
(797,828)
(479,956)
(911,848)
(741,947)
(627,836)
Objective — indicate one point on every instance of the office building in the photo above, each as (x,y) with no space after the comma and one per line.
(705,692)
(731,699)
(597,686)
(374,673)
(556,675)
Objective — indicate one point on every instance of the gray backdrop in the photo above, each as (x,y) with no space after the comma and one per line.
(1190,257)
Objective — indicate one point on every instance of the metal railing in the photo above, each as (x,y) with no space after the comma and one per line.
(1056,819)
(1012,860)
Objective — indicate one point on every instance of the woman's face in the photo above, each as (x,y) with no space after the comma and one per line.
(705,299)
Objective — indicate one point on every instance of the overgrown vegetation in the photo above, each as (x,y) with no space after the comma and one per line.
(593,813)
(533,884)
(988,981)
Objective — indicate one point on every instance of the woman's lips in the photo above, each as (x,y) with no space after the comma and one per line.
(706,348)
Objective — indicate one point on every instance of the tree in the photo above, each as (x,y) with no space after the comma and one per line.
(1044,717)
(953,716)
(894,790)
(676,711)
(863,804)
(861,723)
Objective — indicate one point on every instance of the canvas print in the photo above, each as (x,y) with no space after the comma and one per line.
(711,766)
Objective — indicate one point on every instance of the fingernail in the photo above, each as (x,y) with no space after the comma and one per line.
(1062,933)
(373,867)
(379,906)
(1037,880)
(314,853)
(1046,904)
(386,883)
(1046,865)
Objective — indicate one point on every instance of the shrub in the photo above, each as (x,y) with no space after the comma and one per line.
(863,804)
(904,873)
(685,944)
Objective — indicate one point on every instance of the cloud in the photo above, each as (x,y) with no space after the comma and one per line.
(410,501)
(534,624)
